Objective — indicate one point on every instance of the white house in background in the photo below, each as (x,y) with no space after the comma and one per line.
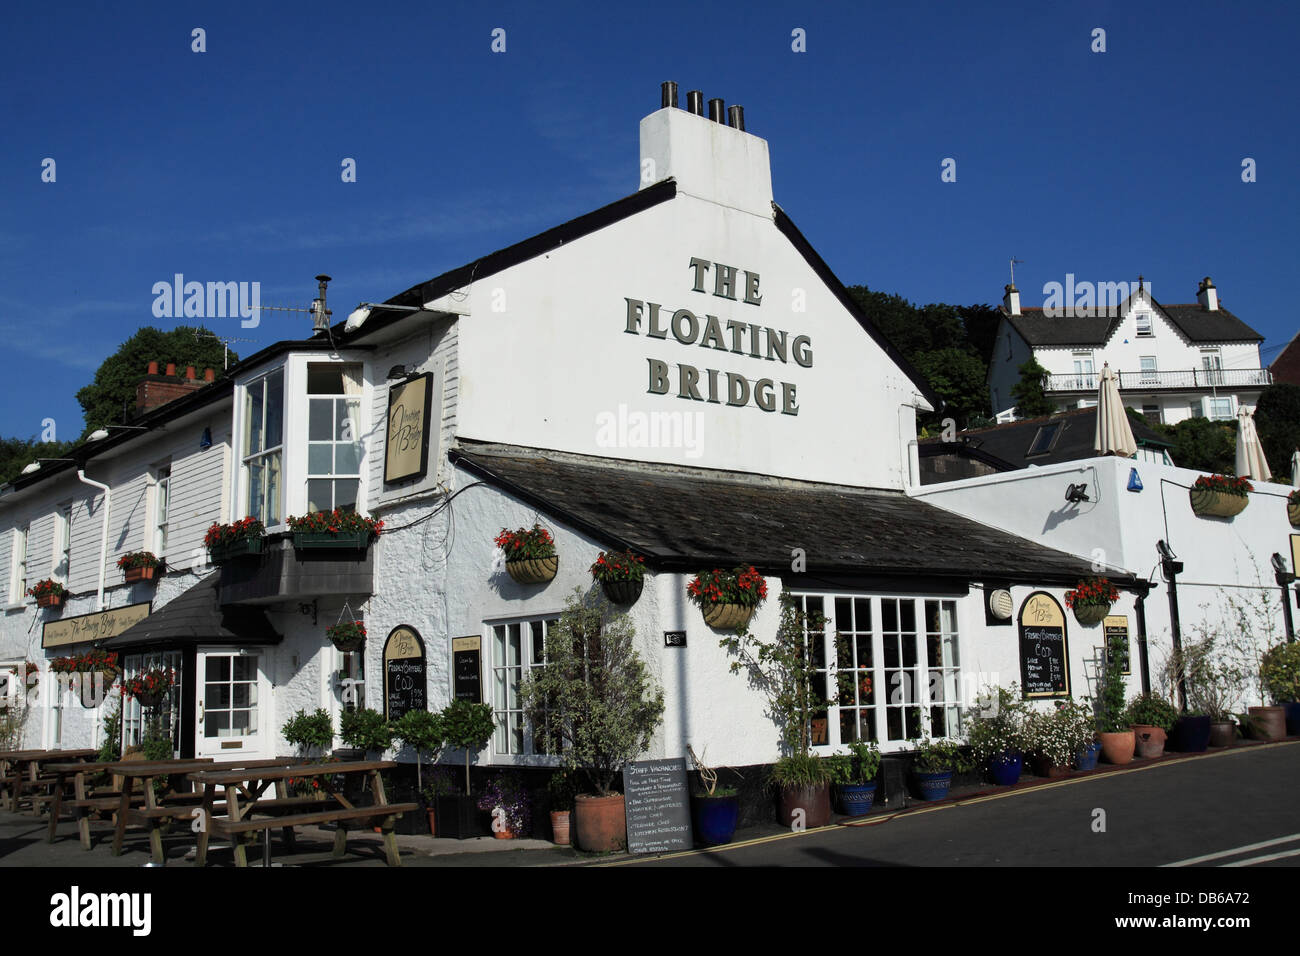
(1174,361)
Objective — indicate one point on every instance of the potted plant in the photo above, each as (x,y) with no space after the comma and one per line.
(1220,496)
(1053,739)
(997,733)
(530,554)
(422,731)
(854,776)
(1080,720)
(1280,670)
(347,635)
(560,791)
(1151,717)
(597,706)
(311,734)
(1116,736)
(48,593)
(506,798)
(787,676)
(933,764)
(367,730)
(333,530)
(465,726)
(1293,508)
(237,539)
(437,787)
(621,575)
(90,674)
(1091,600)
(728,598)
(149,687)
(715,810)
(1207,681)
(138,566)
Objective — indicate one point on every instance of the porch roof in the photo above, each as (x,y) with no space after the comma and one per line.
(196,617)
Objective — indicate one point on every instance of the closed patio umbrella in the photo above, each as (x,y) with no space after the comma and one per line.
(1114,436)
(1295,468)
(1250,454)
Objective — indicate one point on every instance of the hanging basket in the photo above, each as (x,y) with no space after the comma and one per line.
(1216,504)
(149,700)
(349,645)
(50,600)
(622,592)
(131,575)
(1090,614)
(727,617)
(328,541)
(1293,514)
(533,570)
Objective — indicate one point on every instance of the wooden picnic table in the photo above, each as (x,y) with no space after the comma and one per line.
(21,771)
(83,803)
(248,809)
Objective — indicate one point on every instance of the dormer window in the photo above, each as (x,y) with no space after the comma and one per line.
(1144,324)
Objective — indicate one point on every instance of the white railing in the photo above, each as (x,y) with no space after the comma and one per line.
(1138,381)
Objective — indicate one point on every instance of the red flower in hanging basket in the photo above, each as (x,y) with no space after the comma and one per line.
(151,683)
(221,534)
(1225,484)
(618,566)
(335,522)
(741,585)
(1092,591)
(346,632)
(534,542)
(47,588)
(138,559)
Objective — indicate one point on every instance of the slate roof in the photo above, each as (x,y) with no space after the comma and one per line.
(1202,326)
(1094,327)
(195,617)
(685,519)
(1006,447)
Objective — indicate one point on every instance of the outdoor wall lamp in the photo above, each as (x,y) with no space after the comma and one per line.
(99,434)
(36,465)
(1284,579)
(357,317)
(1076,493)
(397,372)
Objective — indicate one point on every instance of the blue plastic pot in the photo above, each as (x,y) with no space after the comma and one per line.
(1086,759)
(1292,719)
(714,818)
(934,786)
(856,799)
(1005,770)
(1190,735)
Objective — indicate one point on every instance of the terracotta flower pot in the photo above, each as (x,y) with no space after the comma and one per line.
(50,600)
(533,570)
(1090,614)
(622,592)
(1223,733)
(1149,741)
(1052,771)
(1214,504)
(1118,748)
(560,827)
(131,575)
(1269,723)
(433,823)
(727,617)
(600,823)
(815,802)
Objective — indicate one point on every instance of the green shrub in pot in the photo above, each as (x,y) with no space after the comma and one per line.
(1151,710)
(1280,669)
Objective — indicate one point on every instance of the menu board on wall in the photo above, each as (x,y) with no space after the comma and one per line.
(467,669)
(406,447)
(658,807)
(1116,625)
(1044,654)
(404,672)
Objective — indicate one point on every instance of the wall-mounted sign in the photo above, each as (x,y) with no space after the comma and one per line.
(658,808)
(467,669)
(406,449)
(674,638)
(404,672)
(97,626)
(1116,625)
(1044,655)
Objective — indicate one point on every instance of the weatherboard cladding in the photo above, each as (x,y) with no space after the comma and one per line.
(681,518)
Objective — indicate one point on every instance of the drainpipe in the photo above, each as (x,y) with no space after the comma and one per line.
(1140,609)
(103,537)
(1172,569)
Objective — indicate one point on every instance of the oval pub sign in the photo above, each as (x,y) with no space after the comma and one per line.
(1044,653)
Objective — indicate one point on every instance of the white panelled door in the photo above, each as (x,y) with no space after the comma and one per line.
(233,703)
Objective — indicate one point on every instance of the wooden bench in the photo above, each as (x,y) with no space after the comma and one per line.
(23,774)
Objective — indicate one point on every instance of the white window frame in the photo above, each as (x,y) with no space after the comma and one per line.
(160,510)
(495,668)
(266,453)
(358,401)
(1209,402)
(949,669)
(1144,318)
(133,665)
(1148,374)
(61,555)
(18,577)
(1085,370)
(1212,365)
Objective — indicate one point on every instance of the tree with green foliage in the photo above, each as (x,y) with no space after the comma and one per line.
(17,453)
(1029,393)
(110,398)
(1277,419)
(467,726)
(960,378)
(423,732)
(1202,445)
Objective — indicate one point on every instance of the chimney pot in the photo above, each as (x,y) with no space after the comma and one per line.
(153,369)
(1207,295)
(695,102)
(668,95)
(736,115)
(189,373)
(716,112)
(209,375)
(171,368)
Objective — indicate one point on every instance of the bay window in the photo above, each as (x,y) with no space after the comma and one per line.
(334,450)
(263,447)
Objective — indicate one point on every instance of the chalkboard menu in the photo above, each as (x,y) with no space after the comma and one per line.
(658,806)
(1044,654)
(404,673)
(1116,626)
(467,669)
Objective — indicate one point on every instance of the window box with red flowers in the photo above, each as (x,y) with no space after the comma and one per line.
(239,538)
(621,575)
(1293,508)
(31,674)
(48,593)
(1220,496)
(347,635)
(95,672)
(151,686)
(334,530)
(728,598)
(1091,600)
(138,566)
(530,554)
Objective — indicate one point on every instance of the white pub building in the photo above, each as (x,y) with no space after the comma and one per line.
(678,373)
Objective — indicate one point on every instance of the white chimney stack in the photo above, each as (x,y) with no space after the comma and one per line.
(1207,295)
(1011,300)
(708,158)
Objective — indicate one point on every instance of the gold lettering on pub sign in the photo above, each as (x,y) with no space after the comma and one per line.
(98,626)
(407,447)
(721,334)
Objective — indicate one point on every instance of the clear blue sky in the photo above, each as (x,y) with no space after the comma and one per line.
(225,165)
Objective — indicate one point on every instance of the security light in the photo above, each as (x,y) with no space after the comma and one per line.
(1077,493)
(99,434)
